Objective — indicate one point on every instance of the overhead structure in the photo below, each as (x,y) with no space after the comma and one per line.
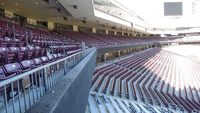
(138,15)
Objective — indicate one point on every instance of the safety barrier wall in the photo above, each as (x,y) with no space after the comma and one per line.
(70,95)
(19,93)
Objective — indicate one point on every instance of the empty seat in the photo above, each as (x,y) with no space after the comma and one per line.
(4,43)
(22,54)
(12,69)
(3,50)
(37,61)
(2,74)
(11,55)
(21,43)
(27,65)
(60,55)
(50,57)
(38,52)
(30,52)
(8,88)
(13,43)
(55,56)
(44,59)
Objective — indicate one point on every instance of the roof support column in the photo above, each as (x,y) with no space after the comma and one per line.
(50,25)
(115,32)
(107,31)
(94,30)
(75,28)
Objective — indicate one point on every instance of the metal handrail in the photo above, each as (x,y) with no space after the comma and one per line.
(22,91)
(17,77)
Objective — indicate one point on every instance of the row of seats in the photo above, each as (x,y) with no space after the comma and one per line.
(97,40)
(13,69)
(12,43)
(17,54)
(8,71)
(18,43)
(152,76)
(14,35)
(106,40)
(44,39)
(24,48)
(101,103)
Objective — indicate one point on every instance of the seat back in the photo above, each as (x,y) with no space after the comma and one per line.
(2,74)
(23,49)
(55,56)
(4,43)
(37,52)
(30,52)
(13,68)
(3,49)
(27,64)
(59,55)
(37,61)
(50,57)
(44,59)
(12,55)
(14,49)
(31,48)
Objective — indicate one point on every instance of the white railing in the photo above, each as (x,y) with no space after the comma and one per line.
(19,93)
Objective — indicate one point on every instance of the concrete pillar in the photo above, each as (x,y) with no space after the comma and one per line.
(107,31)
(115,32)
(119,54)
(104,57)
(31,21)
(50,25)
(94,30)
(122,33)
(9,14)
(75,28)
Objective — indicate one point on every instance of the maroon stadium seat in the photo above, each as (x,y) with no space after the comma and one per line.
(26,65)
(12,69)
(45,59)
(12,55)
(37,61)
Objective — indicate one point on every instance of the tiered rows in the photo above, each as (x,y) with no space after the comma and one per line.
(104,104)
(153,76)
(107,40)
(100,40)
(23,48)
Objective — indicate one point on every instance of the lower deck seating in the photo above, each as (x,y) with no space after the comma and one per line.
(153,76)
(12,69)
(101,103)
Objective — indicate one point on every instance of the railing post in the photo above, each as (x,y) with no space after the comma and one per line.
(74,61)
(45,80)
(40,82)
(65,67)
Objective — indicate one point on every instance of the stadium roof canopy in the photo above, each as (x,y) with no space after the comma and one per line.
(134,15)
(151,14)
(143,15)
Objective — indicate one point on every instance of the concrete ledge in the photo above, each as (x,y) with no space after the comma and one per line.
(107,49)
(70,95)
(114,48)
